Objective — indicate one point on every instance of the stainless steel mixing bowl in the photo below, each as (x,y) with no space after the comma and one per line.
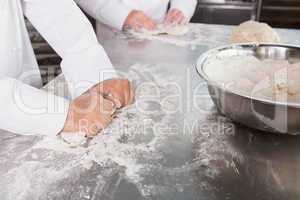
(262,114)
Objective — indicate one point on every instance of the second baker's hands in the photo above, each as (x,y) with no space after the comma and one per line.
(93,111)
(138,21)
(175,17)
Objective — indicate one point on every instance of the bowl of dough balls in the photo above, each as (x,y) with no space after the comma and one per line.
(257,83)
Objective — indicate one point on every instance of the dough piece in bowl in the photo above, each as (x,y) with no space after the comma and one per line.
(170,30)
(271,66)
(294,72)
(251,31)
(232,68)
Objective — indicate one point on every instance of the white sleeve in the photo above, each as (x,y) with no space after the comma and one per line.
(30,111)
(71,35)
(109,12)
(188,7)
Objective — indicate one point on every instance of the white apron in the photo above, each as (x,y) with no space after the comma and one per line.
(156,9)
(115,12)
(16,54)
(24,109)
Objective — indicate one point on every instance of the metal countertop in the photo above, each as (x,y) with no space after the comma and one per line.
(195,153)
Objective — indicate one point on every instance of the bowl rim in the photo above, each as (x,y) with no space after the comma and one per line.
(203,58)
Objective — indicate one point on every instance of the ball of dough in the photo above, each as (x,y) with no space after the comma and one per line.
(251,31)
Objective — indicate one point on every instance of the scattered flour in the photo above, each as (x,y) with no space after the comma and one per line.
(196,35)
(212,36)
(133,147)
(74,140)
(47,168)
(161,29)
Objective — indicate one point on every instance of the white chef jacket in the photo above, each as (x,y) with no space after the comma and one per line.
(25,109)
(115,12)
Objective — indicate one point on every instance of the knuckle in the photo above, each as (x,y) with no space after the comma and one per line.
(105,123)
(126,82)
(109,107)
(99,124)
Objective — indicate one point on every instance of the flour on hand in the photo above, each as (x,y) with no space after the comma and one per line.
(74,139)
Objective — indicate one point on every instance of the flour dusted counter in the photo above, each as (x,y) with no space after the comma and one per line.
(171,144)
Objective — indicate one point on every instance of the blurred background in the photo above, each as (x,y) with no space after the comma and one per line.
(277,13)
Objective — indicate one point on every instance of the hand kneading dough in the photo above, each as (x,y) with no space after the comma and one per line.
(255,32)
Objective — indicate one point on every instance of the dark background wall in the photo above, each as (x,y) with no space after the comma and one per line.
(277,13)
(47,59)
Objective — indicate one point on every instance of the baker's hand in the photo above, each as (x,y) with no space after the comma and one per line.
(175,17)
(89,113)
(137,20)
(119,91)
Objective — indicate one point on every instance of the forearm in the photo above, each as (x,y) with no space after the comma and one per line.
(109,12)
(70,33)
(30,111)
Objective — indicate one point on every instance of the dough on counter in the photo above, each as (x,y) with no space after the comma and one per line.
(251,31)
(170,30)
(74,139)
